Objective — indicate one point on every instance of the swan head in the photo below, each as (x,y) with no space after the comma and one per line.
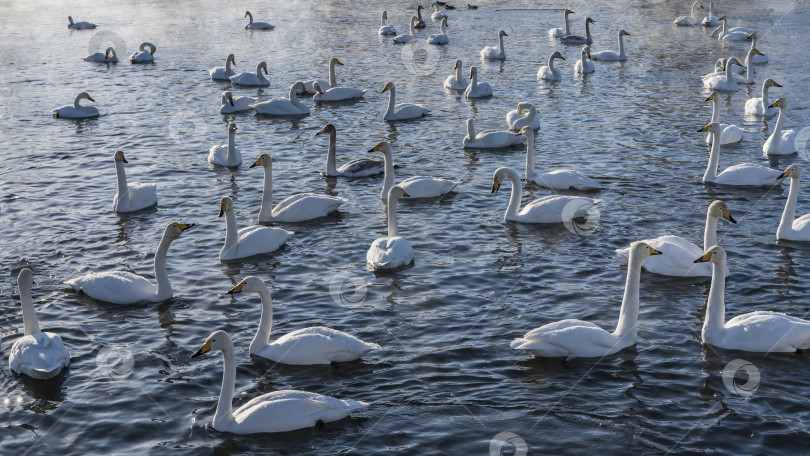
(175,229)
(715,255)
(718,209)
(25,279)
(396,192)
(714,96)
(752,36)
(444,22)
(721,18)
(85,96)
(152,47)
(557,55)
(700,5)
(388,86)
(110,52)
(771,83)
(473,71)
(382,146)
(385,15)
(522,107)
(589,21)
(299,87)
(779,103)
(335,61)
(414,20)
(248,284)
(497,179)
(528,132)
(231,58)
(225,205)
(754,51)
(262,66)
(640,250)
(501,33)
(568,11)
(317,87)
(218,340)
(792,171)
(247,13)
(231,127)
(263,160)
(458,64)
(227,95)
(713,127)
(70,19)
(329,128)
(623,33)
(118,156)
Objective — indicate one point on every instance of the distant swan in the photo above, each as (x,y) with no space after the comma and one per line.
(610,55)
(402,111)
(710,20)
(441,38)
(438,14)
(549,209)
(407,37)
(578,39)
(229,104)
(79,25)
(252,79)
(142,55)
(131,197)
(392,251)
(457,81)
(490,139)
(249,241)
(257,25)
(780,142)
(361,167)
(108,56)
(309,84)
(690,19)
(386,30)
(77,111)
(223,73)
(226,154)
(495,52)
(560,32)
(281,106)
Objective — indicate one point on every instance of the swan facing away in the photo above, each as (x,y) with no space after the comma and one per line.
(477,89)
(680,258)
(711,19)
(108,56)
(122,287)
(745,174)
(731,133)
(229,104)
(402,111)
(249,241)
(549,209)
(257,25)
(780,142)
(249,79)
(548,72)
(495,52)
(308,346)
(226,154)
(762,106)
(77,111)
(83,25)
(583,339)
(516,120)
(441,38)
(361,167)
(610,55)
(760,331)
(579,39)
(457,81)
(131,197)
(386,30)
(558,179)
(790,227)
(279,411)
(223,73)
(584,64)
(564,31)
(414,187)
(392,251)
(37,354)
(490,139)
(296,208)
(407,37)
(142,55)
(690,19)
(283,107)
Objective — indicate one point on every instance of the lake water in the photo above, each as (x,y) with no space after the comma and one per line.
(446,380)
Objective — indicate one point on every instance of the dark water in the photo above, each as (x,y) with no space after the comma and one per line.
(446,381)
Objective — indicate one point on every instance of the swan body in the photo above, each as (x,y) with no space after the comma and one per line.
(252,79)
(548,72)
(495,52)
(121,287)
(731,34)
(490,139)
(711,19)
(108,56)
(77,111)
(143,55)
(759,58)
(762,106)
(223,73)
(746,174)
(295,208)
(437,13)
(610,55)
(578,39)
(229,104)
(249,241)
(279,411)
(392,251)
(582,339)
(362,167)
(724,82)
(309,84)
(414,187)
(558,179)
(337,93)
(82,25)
(564,31)
(289,106)
(516,120)
(131,197)
(457,81)
(477,89)
(37,354)
(257,25)
(549,209)
(584,64)
(441,38)
(731,133)
(690,19)
(386,30)
(407,37)
(790,227)
(402,111)
(781,142)
(226,154)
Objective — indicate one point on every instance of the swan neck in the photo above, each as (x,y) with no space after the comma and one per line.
(621,46)
(29,315)
(392,100)
(765,101)
(459,74)
(628,316)
(76,102)
(413,28)
(587,32)
(231,146)
(250,17)
(164,287)
(382,19)
(295,101)
(332,78)
(266,210)
(388,176)
(393,224)
(224,414)
(515,195)
(694,7)
(331,168)
(567,26)
(551,62)
(789,214)
(500,39)
(231,233)
(777,130)
(122,179)
(228,66)
(714,159)
(262,338)
(471,130)
(715,318)
(710,232)
(474,81)
(715,109)
(529,155)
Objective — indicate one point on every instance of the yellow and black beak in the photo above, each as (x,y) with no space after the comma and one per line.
(775,104)
(776,84)
(404,193)
(384,89)
(221,210)
(727,216)
(654,252)
(256,163)
(123,159)
(184,226)
(230,100)
(338,62)
(505,34)
(710,97)
(706,128)
(90,98)
(375,148)
(706,257)
(237,288)
(495,186)
(206,347)
(784,174)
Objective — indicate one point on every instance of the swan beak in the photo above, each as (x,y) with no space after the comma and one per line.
(206,347)
(784,175)
(654,252)
(90,98)
(589,54)
(776,84)
(123,159)
(561,57)
(375,148)
(775,104)
(256,163)
(456,67)
(323,130)
(727,216)
(758,53)
(505,34)
(221,210)
(495,186)
(704,258)
(337,62)
(384,89)
(184,226)
(304,90)
(230,100)
(237,288)
(710,97)
(706,128)
(405,194)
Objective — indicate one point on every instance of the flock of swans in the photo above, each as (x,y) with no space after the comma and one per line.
(43,355)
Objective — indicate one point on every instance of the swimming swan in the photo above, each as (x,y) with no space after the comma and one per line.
(223,73)
(131,197)
(558,179)
(142,55)
(584,64)
(762,106)
(610,55)
(477,89)
(416,186)
(548,72)
(549,209)
(257,25)
(337,93)
(76,111)
(790,227)
(392,251)
(79,25)
(780,142)
(746,174)
(226,154)
(281,106)
(731,133)
(690,19)
(441,38)
(457,81)
(229,104)
(407,37)
(490,139)
(386,30)
(402,111)
(361,167)
(495,52)
(257,79)
(249,241)
(108,56)
(560,32)
(515,120)
(578,39)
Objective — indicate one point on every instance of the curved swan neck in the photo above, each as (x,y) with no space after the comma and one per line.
(231,233)
(715,318)
(266,210)
(471,129)
(442,26)
(259,73)
(331,168)
(788,214)
(122,179)
(628,315)
(250,16)
(714,159)
(515,195)
(413,27)
(551,62)
(391,211)
(262,337)
(529,153)
(76,102)
(164,287)
(694,7)
(224,413)
(567,26)
(392,100)
(29,315)
(332,78)
(388,176)
(710,231)
(777,130)
(295,101)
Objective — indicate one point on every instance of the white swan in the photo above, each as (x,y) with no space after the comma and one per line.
(723,82)
(490,139)
(308,346)
(438,14)
(36,354)
(249,241)
(131,197)
(745,174)
(309,84)
(790,227)
(361,167)
(780,142)
(679,260)
(515,120)
(548,72)
(416,186)
(549,209)
(584,64)
(247,78)
(281,106)
(229,104)
(711,19)
(690,19)
(560,32)
(82,25)
(122,287)
(109,56)
(495,52)
(731,133)
(402,111)
(755,331)
(386,30)
(749,69)
(762,106)
(610,55)
(558,179)
(420,23)
(579,39)
(257,25)
(279,411)
(392,251)
(477,89)
(223,73)
(457,81)
(407,37)
(226,154)
(583,339)
(337,93)
(759,58)
(300,207)
(142,55)
(441,38)
(731,34)
(77,111)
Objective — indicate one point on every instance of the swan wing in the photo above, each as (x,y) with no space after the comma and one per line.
(288,410)
(748,174)
(277,107)
(117,287)
(39,356)
(305,206)
(574,338)
(564,179)
(555,209)
(362,167)
(426,187)
(257,239)
(766,332)
(318,345)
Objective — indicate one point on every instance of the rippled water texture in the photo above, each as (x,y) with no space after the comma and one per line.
(446,380)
